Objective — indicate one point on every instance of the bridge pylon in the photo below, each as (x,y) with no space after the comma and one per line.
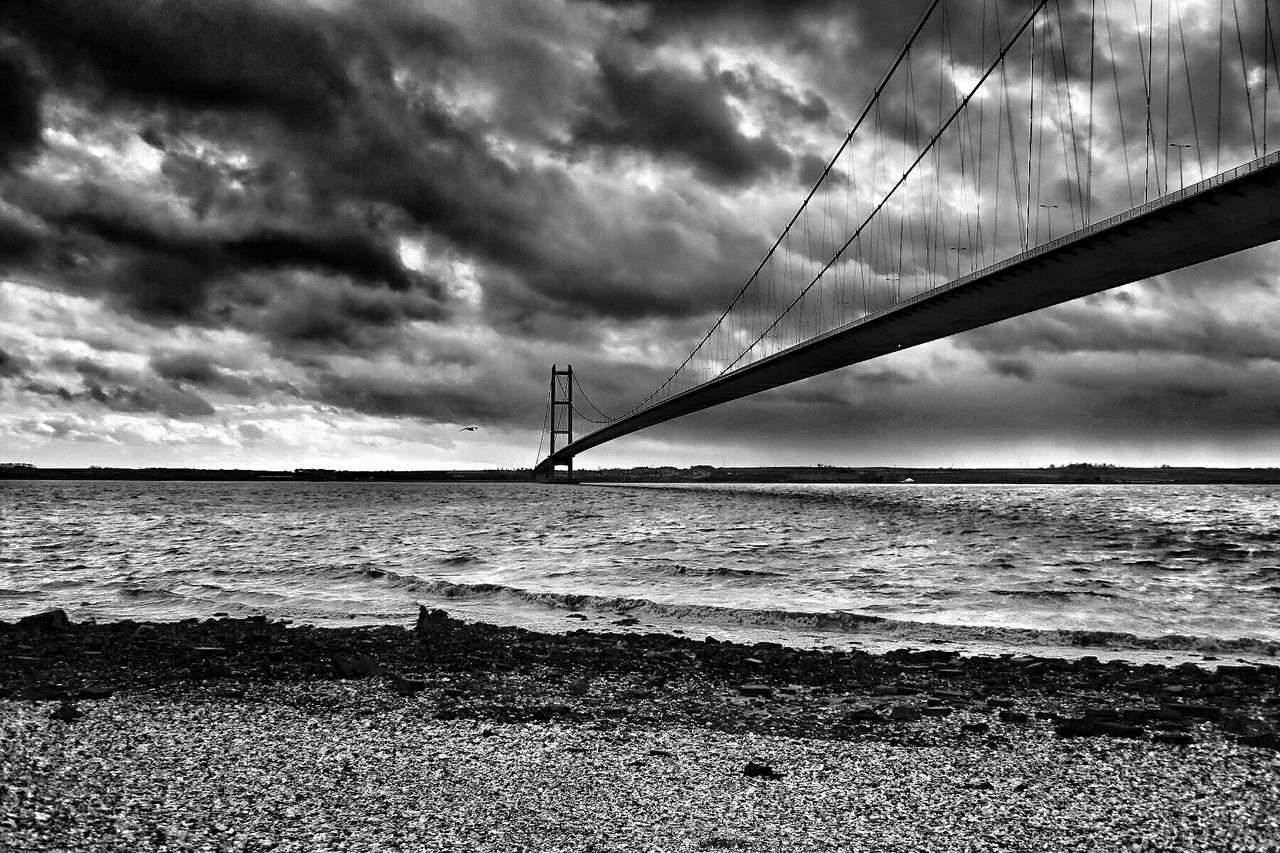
(561,422)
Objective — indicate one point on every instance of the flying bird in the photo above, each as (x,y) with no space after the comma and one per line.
(469,429)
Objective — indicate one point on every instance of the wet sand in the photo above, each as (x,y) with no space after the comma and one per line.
(246,734)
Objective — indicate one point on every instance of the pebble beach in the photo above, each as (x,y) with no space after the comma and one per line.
(252,734)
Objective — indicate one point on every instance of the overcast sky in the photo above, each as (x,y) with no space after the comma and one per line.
(332,233)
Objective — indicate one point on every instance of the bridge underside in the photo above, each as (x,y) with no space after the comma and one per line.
(1217,217)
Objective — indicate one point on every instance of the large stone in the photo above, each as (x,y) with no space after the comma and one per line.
(1243,724)
(67,713)
(96,691)
(44,692)
(1139,715)
(904,713)
(1243,673)
(1119,729)
(951,695)
(1173,738)
(1266,740)
(429,621)
(1175,710)
(551,711)
(49,620)
(758,770)
(354,666)
(405,685)
(1102,713)
(1075,727)
(762,691)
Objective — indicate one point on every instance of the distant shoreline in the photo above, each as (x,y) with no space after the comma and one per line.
(1066,474)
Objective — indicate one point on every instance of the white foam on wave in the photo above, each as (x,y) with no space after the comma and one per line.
(833,626)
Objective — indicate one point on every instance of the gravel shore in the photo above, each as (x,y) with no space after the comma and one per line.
(251,735)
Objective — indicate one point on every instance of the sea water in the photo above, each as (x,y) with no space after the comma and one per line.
(1115,566)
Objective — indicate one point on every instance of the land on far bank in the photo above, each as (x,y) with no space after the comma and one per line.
(1075,473)
(1071,473)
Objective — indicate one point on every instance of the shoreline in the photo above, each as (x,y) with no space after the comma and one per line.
(1078,474)
(49,648)
(651,716)
(844,630)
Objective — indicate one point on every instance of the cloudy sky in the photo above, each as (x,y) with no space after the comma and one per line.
(331,233)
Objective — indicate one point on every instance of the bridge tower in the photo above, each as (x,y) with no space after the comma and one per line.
(561,414)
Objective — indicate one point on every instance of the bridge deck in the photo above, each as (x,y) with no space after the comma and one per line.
(1228,213)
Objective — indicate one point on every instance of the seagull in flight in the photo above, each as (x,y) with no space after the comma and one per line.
(469,429)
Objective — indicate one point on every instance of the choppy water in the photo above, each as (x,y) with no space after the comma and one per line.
(1197,566)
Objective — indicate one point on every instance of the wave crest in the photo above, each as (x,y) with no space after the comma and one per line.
(841,621)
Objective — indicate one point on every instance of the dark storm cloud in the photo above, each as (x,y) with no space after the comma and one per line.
(217,54)
(21,126)
(752,84)
(195,368)
(18,240)
(166,271)
(121,391)
(161,399)
(359,255)
(810,167)
(11,365)
(210,63)
(795,23)
(319,314)
(493,399)
(883,377)
(673,114)
(1015,367)
(333,132)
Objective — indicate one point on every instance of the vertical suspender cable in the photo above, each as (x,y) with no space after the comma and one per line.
(1168,63)
(1071,121)
(1275,60)
(1148,73)
(1217,164)
(1266,78)
(1191,98)
(1244,76)
(1031,130)
(1088,154)
(1115,79)
(930,146)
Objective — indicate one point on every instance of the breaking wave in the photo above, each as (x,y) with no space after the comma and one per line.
(838,622)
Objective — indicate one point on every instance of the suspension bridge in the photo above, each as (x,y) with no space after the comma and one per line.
(1146,132)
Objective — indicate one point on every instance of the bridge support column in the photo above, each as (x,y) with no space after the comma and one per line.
(561,416)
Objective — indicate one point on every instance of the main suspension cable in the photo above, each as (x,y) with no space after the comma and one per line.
(875,97)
